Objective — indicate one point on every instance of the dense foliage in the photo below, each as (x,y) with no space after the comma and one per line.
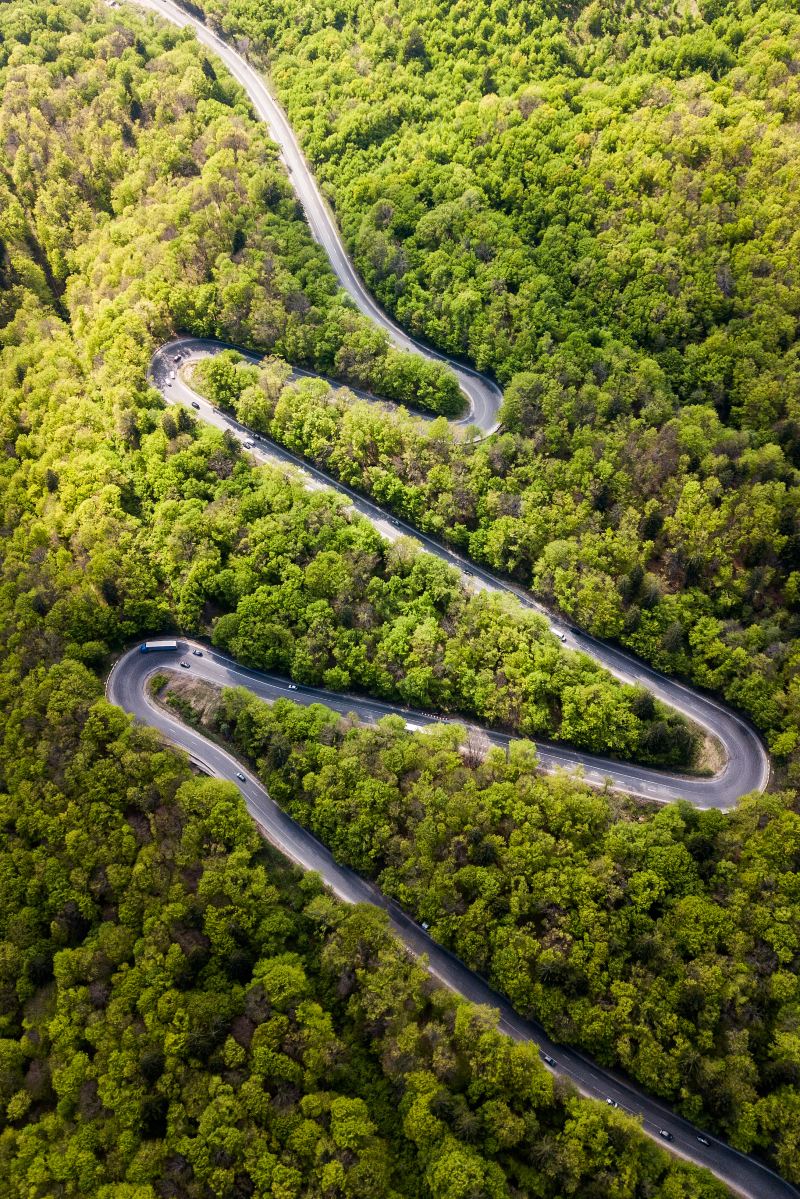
(207,236)
(516,178)
(663,942)
(165,522)
(492,501)
(320,595)
(599,203)
(180,1015)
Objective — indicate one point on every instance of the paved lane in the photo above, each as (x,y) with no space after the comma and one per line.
(483,395)
(747,765)
(127,687)
(746,769)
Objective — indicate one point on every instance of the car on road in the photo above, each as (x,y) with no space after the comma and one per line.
(292,686)
(666,1134)
(551,1061)
(240,777)
(703,1140)
(563,636)
(248,445)
(198,653)
(195,405)
(611,1102)
(171,376)
(186,665)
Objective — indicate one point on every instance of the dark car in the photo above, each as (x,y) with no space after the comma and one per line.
(611,1102)
(666,1134)
(551,1061)
(186,665)
(195,405)
(198,653)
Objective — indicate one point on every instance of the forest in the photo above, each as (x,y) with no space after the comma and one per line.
(180,1013)
(663,941)
(470,494)
(595,202)
(185,1015)
(182,530)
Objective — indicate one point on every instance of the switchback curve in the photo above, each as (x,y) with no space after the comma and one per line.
(483,395)
(127,687)
(746,766)
(746,758)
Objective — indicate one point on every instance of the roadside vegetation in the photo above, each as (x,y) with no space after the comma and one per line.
(598,203)
(183,1014)
(164,522)
(180,1014)
(663,941)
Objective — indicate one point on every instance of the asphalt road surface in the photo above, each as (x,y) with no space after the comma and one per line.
(127,687)
(746,766)
(483,395)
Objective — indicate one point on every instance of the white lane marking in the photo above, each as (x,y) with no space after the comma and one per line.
(641,788)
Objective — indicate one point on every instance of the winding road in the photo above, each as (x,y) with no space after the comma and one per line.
(746,767)
(127,687)
(483,395)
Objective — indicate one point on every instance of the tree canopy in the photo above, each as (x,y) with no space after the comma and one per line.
(180,1013)
(598,202)
(662,941)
